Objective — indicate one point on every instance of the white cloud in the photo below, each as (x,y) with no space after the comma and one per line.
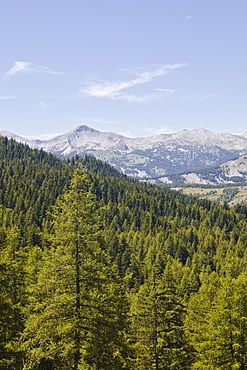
(26,67)
(19,67)
(144,98)
(7,97)
(163,129)
(189,17)
(114,89)
(201,97)
(42,105)
(167,90)
(100,121)
(126,133)
(138,99)
(44,136)
(208,96)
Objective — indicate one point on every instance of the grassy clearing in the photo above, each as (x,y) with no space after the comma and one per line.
(231,195)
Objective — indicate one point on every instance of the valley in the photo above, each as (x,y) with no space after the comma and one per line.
(123,185)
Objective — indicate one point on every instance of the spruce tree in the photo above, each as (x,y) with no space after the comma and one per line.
(158,313)
(76,314)
(12,297)
(217,323)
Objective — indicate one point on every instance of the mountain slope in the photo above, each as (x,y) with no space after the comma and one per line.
(165,251)
(234,171)
(146,157)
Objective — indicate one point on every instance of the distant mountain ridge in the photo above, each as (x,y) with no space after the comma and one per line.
(234,171)
(146,157)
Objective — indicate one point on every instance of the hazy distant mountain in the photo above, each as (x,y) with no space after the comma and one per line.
(146,157)
(234,171)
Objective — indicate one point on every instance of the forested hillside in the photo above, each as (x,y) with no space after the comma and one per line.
(102,272)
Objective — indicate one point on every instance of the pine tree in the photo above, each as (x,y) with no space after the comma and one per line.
(218,324)
(76,315)
(158,325)
(12,296)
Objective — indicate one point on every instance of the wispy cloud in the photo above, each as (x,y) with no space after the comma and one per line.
(201,97)
(7,97)
(44,136)
(100,120)
(167,90)
(116,89)
(189,17)
(138,99)
(41,105)
(163,129)
(26,67)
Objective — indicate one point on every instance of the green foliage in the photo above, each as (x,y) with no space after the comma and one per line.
(73,312)
(99,271)
(12,281)
(158,314)
(217,322)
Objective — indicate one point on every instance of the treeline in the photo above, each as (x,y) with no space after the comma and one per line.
(99,271)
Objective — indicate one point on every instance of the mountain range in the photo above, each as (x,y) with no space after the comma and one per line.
(233,171)
(155,157)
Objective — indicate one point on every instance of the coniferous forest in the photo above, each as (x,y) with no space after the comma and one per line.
(101,272)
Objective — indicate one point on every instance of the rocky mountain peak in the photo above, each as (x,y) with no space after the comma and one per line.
(146,157)
(83,128)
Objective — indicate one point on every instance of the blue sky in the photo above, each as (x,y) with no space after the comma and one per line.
(136,67)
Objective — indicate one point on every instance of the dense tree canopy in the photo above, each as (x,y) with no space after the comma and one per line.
(99,271)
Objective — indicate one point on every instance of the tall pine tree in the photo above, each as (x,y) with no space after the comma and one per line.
(76,313)
(158,314)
